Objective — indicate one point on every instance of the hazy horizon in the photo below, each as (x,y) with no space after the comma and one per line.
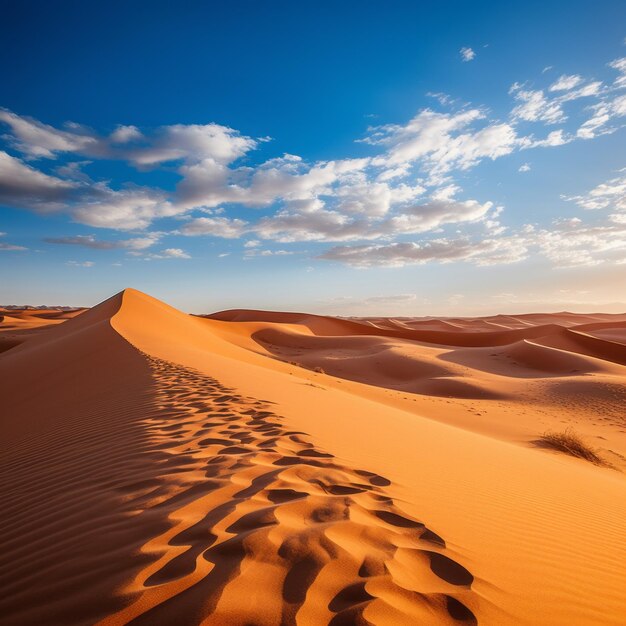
(376,310)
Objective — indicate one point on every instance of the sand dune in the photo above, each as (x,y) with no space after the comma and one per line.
(34,318)
(582,343)
(17,325)
(162,468)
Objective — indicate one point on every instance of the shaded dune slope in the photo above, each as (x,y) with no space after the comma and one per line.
(71,444)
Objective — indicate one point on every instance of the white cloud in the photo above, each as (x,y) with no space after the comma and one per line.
(96,205)
(174,253)
(572,243)
(372,199)
(434,214)
(318,223)
(565,82)
(191,143)
(620,66)
(141,243)
(535,107)
(467,54)
(290,179)
(554,138)
(209,183)
(80,263)
(124,134)
(90,241)
(133,208)
(525,167)
(312,225)
(167,253)
(611,194)
(255,252)
(215,226)
(603,113)
(442,142)
(400,171)
(586,91)
(595,125)
(443,98)
(485,252)
(36,140)
(23,186)
(567,243)
(179,142)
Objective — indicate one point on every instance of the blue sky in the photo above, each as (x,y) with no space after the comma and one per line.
(440,158)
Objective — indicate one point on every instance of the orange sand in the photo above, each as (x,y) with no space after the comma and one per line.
(161,468)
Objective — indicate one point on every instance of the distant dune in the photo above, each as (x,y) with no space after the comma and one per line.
(266,468)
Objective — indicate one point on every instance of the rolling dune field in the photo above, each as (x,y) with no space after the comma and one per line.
(263,468)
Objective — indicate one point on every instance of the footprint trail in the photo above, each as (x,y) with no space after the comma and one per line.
(267,529)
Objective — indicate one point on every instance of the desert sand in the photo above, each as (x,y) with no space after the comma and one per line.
(262,468)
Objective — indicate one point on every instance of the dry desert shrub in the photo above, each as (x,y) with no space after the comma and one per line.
(571,443)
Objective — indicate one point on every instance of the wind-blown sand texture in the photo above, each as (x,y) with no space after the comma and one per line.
(261,468)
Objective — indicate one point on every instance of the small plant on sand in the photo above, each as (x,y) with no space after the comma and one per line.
(319,370)
(571,443)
